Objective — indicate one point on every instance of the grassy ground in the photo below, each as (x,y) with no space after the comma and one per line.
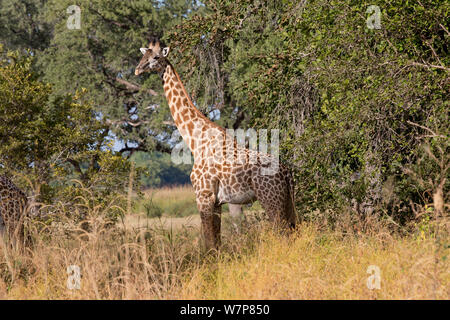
(176,202)
(317,265)
(162,258)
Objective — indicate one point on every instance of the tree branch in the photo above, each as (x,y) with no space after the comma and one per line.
(430,66)
(77,167)
(434,134)
(133,124)
(134,87)
(159,147)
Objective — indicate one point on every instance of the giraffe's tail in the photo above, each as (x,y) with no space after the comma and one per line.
(290,207)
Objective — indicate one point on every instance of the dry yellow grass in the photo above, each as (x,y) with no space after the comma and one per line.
(171,193)
(162,258)
(170,201)
(176,223)
(256,264)
(317,265)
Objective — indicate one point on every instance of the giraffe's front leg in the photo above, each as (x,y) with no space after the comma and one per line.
(210,214)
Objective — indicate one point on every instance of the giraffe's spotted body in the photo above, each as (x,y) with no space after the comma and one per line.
(12,206)
(223,171)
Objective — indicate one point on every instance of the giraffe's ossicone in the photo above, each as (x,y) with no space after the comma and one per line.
(223,171)
(13,204)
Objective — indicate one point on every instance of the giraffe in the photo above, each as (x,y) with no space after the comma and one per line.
(13,204)
(223,171)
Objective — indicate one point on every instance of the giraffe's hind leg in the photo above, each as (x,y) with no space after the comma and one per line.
(272,191)
(2,226)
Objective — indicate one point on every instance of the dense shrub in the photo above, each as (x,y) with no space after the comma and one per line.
(355,105)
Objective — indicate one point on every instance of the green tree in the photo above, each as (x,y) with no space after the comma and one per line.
(49,139)
(351,102)
(354,105)
(22,25)
(101,57)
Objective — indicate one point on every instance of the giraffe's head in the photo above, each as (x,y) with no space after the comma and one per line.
(154,58)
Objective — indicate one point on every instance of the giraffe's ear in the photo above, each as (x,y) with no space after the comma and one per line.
(165,51)
(143,50)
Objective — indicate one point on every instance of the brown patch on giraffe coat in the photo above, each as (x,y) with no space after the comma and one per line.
(185,114)
(190,127)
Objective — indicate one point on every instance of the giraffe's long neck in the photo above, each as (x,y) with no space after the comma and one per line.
(190,122)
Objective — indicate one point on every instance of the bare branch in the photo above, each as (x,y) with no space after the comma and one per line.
(434,134)
(443,28)
(169,123)
(430,66)
(133,124)
(134,87)
(158,147)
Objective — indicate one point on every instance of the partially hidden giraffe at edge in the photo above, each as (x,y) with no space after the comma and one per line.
(218,175)
(13,204)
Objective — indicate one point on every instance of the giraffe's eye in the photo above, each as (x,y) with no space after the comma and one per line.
(156,57)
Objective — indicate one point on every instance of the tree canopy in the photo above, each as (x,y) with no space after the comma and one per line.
(351,101)
(358,90)
(48,140)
